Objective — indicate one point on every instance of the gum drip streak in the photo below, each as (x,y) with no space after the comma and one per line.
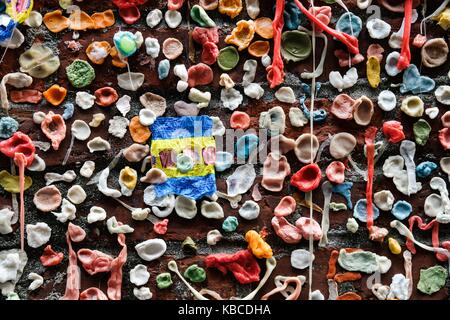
(311,129)
(275,72)
(369,140)
(405,56)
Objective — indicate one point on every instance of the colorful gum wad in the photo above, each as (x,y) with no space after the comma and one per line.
(259,48)
(257,245)
(307,178)
(200,74)
(80,21)
(25,96)
(130,14)
(322,14)
(443,19)
(444,138)
(54,128)
(175,4)
(373,71)
(231,8)
(55,21)
(98,51)
(264,27)
(242,34)
(138,132)
(393,130)
(117,61)
(128,9)
(50,257)
(210,53)
(18,143)
(242,264)
(106,96)
(103,19)
(12,183)
(55,94)
(208,38)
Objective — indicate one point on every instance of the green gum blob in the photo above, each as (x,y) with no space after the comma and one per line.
(432,279)
(80,73)
(421,131)
(164,280)
(295,45)
(195,273)
(199,15)
(228,58)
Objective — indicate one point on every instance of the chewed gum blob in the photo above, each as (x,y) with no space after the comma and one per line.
(54,127)
(242,34)
(307,178)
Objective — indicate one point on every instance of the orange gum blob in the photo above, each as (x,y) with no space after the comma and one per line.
(138,132)
(55,21)
(259,48)
(55,94)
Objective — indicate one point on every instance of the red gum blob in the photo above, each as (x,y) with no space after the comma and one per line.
(434,225)
(115,279)
(342,107)
(444,138)
(25,96)
(405,54)
(394,131)
(94,261)
(419,40)
(76,233)
(285,207)
(286,231)
(130,15)
(175,4)
(209,155)
(242,264)
(344,60)
(210,53)
(203,35)
(309,227)
(54,128)
(105,96)
(336,172)
(18,143)
(161,227)
(93,293)
(199,75)
(375,50)
(369,137)
(239,120)
(322,13)
(350,41)
(307,178)
(275,72)
(128,3)
(275,170)
(50,257)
